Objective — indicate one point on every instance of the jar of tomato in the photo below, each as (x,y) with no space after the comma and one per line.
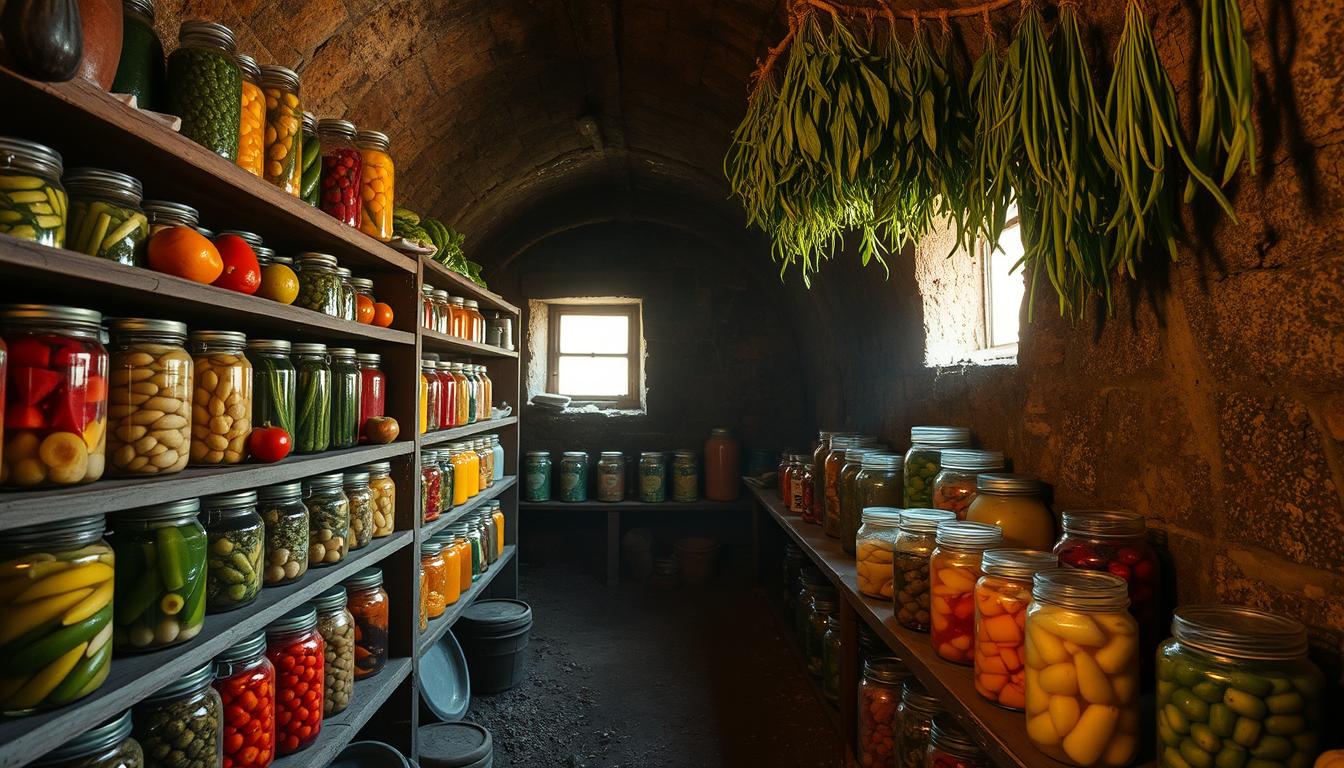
(181,725)
(55,423)
(222,403)
(910,565)
(245,680)
(433,392)
(431,478)
(284,128)
(297,650)
(367,603)
(951,747)
(954,567)
(436,576)
(914,724)
(364,300)
(954,486)
(36,209)
(1016,504)
(252,118)
(924,460)
(357,492)
(337,628)
(105,218)
(384,490)
(876,540)
(110,745)
(1001,599)
(150,395)
(879,695)
(372,389)
(342,171)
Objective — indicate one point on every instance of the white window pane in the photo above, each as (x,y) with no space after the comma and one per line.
(594,376)
(602,334)
(1007,287)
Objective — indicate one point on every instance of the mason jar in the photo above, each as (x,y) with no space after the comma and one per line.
(105,219)
(537,476)
(252,118)
(342,171)
(830,468)
(954,567)
(349,304)
(1016,504)
(497,464)
(497,514)
(914,724)
(652,477)
(851,496)
(831,650)
(924,460)
(685,477)
(951,747)
(221,422)
(879,696)
(36,209)
(161,575)
(384,490)
(205,88)
(310,190)
(360,496)
(573,476)
(444,460)
(954,487)
(285,517)
(284,128)
(313,397)
(319,285)
(345,393)
(328,519)
(442,310)
(876,540)
(819,612)
(273,387)
(796,478)
(429,310)
(149,395)
(245,680)
(237,542)
(433,391)
(368,604)
(910,565)
(818,459)
(109,745)
(163,214)
(294,646)
(372,389)
(611,476)
(182,724)
(431,486)
(337,628)
(1001,599)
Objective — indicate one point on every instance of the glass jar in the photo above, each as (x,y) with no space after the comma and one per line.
(467,473)
(574,476)
(819,611)
(360,496)
(337,628)
(251,118)
(162,214)
(349,304)
(428,309)
(245,680)
(1001,599)
(444,461)
(422,615)
(810,584)
(876,482)
(384,491)
(149,397)
(795,484)
(55,423)
(924,460)
(140,68)
(284,128)
(457,554)
(309,189)
(372,389)
(652,477)
(458,324)
(105,219)
(433,391)
(364,300)
(831,650)
(73,546)
(487,410)
(342,171)
(313,398)
(846,494)
(491,537)
(484,456)
(345,395)
(910,565)
(328,519)
(1015,504)
(273,388)
(835,457)
(431,489)
(319,285)
(879,696)
(442,310)
(285,518)
(611,476)
(1234,681)
(876,539)
(110,745)
(464,394)
(472,534)
(914,724)
(447,395)
(497,514)
(472,389)
(537,476)
(954,567)
(685,477)
(818,464)
(1083,661)
(237,541)
(182,724)
(36,208)
(954,487)
(368,606)
(161,575)
(950,747)
(221,407)
(723,465)
(205,89)
(379,181)
(298,652)
(476,321)
(436,576)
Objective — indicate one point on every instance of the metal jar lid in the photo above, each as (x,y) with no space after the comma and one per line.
(373,139)
(168,211)
(470,303)
(1104,522)
(456,300)
(77,529)
(308,349)
(971,460)
(222,338)
(1016,563)
(612,455)
(324,482)
(965,534)
(1239,632)
(1079,589)
(925,520)
(652,455)
(236,500)
(251,238)
(137,326)
(574,455)
(284,78)
(20,152)
(269,346)
(331,600)
(342,128)
(430,548)
(188,683)
(440,295)
(684,454)
(206,32)
(40,314)
(315,259)
(281,492)
(538,454)
(951,437)
(173,510)
(345,354)
(344,272)
(914,696)
(91,742)
(244,650)
(356,479)
(362,282)
(721,432)
(885,669)
(874,459)
(1007,485)
(248,65)
(300,619)
(887,517)
(370,359)
(379,468)
(366,579)
(265,256)
(309,122)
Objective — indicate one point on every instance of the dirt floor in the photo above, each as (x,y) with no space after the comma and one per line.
(639,677)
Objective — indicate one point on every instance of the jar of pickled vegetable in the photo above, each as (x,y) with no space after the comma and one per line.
(284,128)
(105,218)
(436,572)
(819,611)
(237,550)
(878,470)
(273,387)
(161,575)
(342,171)
(372,388)
(447,395)
(345,396)
(431,479)
(384,491)
(1082,661)
(924,460)
(205,87)
(472,533)
(162,214)
(443,310)
(337,628)
(652,477)
(360,496)
(1015,504)
(433,391)
(876,539)
(364,300)
(297,650)
(149,397)
(835,458)
(611,476)
(489,536)
(378,183)
(486,410)
(245,680)
(252,118)
(65,567)
(328,519)
(422,615)
(1001,599)
(818,463)
(457,558)
(182,724)
(367,603)
(879,695)
(537,476)
(914,725)
(797,484)
(484,456)
(954,488)
(910,565)
(313,401)
(444,461)
(685,477)
(312,161)
(951,747)
(285,517)
(140,68)
(319,285)
(221,407)
(467,473)
(110,745)
(954,567)
(574,476)
(497,512)
(349,303)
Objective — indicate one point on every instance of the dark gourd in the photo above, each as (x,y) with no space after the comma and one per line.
(43,38)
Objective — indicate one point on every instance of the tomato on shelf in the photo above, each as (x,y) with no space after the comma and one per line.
(365,309)
(186,253)
(269,444)
(382,314)
(241,272)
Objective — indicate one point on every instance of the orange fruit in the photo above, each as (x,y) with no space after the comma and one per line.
(278,283)
(382,315)
(186,253)
(364,310)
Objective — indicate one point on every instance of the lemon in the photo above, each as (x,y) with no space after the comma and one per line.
(278,283)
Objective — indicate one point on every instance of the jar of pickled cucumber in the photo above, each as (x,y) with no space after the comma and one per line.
(876,540)
(312,422)
(384,490)
(161,575)
(357,491)
(924,460)
(319,285)
(110,745)
(312,161)
(105,219)
(273,388)
(182,724)
(954,486)
(914,725)
(378,180)
(286,519)
(910,565)
(237,541)
(1235,687)
(150,388)
(252,118)
(284,128)
(162,214)
(328,519)
(71,568)
(222,403)
(349,302)
(954,567)
(345,382)
(34,202)
(205,87)
(342,171)
(1001,599)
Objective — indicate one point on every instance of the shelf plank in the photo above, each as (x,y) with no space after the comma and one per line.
(339,730)
(433,341)
(442,277)
(132,678)
(476,502)
(48,274)
(442,624)
(457,433)
(32,507)
(741,505)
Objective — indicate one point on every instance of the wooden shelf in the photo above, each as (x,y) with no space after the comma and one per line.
(433,341)
(32,507)
(134,677)
(442,624)
(457,433)
(741,505)
(442,277)
(339,730)
(476,502)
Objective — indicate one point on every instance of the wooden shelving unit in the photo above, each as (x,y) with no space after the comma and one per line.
(445,622)
(90,128)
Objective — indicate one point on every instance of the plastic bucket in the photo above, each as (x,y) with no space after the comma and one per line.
(637,551)
(494,635)
(369,754)
(696,555)
(455,745)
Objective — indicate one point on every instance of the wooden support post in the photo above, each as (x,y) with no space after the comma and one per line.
(613,548)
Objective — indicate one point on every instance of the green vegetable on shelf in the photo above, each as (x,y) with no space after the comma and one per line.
(32,209)
(312,169)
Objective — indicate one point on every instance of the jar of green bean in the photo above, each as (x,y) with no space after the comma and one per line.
(312,421)
(345,381)
(105,216)
(272,384)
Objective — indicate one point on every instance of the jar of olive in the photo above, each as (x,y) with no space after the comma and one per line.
(285,517)
(924,460)
(915,541)
(236,551)
(337,628)
(181,726)
(356,487)
(319,285)
(110,745)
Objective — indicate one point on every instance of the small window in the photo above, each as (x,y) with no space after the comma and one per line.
(1004,287)
(593,353)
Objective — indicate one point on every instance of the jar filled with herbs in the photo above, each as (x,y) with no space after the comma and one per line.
(611,476)
(537,476)
(319,285)
(312,423)
(273,384)
(182,724)
(357,491)
(105,218)
(205,87)
(149,395)
(573,476)
(237,550)
(345,392)
(328,519)
(285,517)
(36,208)
(161,575)
(445,462)
(337,628)
(924,460)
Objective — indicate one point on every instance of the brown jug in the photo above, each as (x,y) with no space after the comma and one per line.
(101,22)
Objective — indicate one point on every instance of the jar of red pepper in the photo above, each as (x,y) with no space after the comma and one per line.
(245,680)
(372,390)
(342,171)
(296,649)
(950,747)
(367,602)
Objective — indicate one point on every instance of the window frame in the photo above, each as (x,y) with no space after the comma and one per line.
(556,311)
(987,249)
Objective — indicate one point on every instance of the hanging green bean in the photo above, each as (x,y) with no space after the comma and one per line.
(1226,129)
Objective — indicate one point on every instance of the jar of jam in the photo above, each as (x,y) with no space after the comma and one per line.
(537,476)
(372,389)
(342,171)
(430,486)
(337,628)
(954,567)
(1015,504)
(378,182)
(914,725)
(222,421)
(1001,599)
(245,680)
(105,219)
(367,603)
(285,517)
(611,476)
(879,696)
(910,565)
(297,650)
(110,745)
(40,215)
(954,486)
(181,724)
(436,577)
(923,461)
(876,540)
(149,355)
(360,495)
(951,747)
(467,473)
(384,490)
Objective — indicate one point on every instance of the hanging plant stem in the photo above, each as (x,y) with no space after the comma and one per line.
(1226,129)
(996,146)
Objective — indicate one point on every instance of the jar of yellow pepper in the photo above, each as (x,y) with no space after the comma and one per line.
(377,187)
(252,123)
(284,128)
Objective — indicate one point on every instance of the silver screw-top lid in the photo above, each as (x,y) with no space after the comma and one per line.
(1007,485)
(948,437)
(924,520)
(1016,563)
(188,683)
(139,326)
(309,349)
(971,460)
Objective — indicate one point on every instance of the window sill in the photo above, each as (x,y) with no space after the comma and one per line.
(995,356)
(585,409)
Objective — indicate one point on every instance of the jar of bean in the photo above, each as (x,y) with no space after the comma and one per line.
(182,724)
(237,550)
(954,485)
(951,747)
(537,476)
(319,285)
(349,304)
(879,695)
(436,573)
(1001,599)
(954,567)
(384,491)
(110,745)
(914,725)
(345,380)
(161,575)
(378,184)
(35,209)
(372,389)
(245,680)
(328,519)
(1016,504)
(876,540)
(105,219)
(337,628)
(273,395)
(910,565)
(297,651)
(367,603)
(313,398)
(924,460)
(652,477)
(285,517)
(284,128)
(356,487)
(221,406)
(150,388)
(431,486)
(252,118)
(342,171)
(205,87)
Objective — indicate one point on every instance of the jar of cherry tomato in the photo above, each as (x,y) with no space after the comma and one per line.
(954,567)
(436,575)
(367,603)
(954,485)
(296,649)
(879,695)
(431,479)
(181,724)
(914,724)
(1001,599)
(950,747)
(342,171)
(55,424)
(245,680)
(372,389)
(110,745)
(337,628)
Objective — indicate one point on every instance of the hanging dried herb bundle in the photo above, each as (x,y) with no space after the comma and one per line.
(996,146)
(1226,129)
